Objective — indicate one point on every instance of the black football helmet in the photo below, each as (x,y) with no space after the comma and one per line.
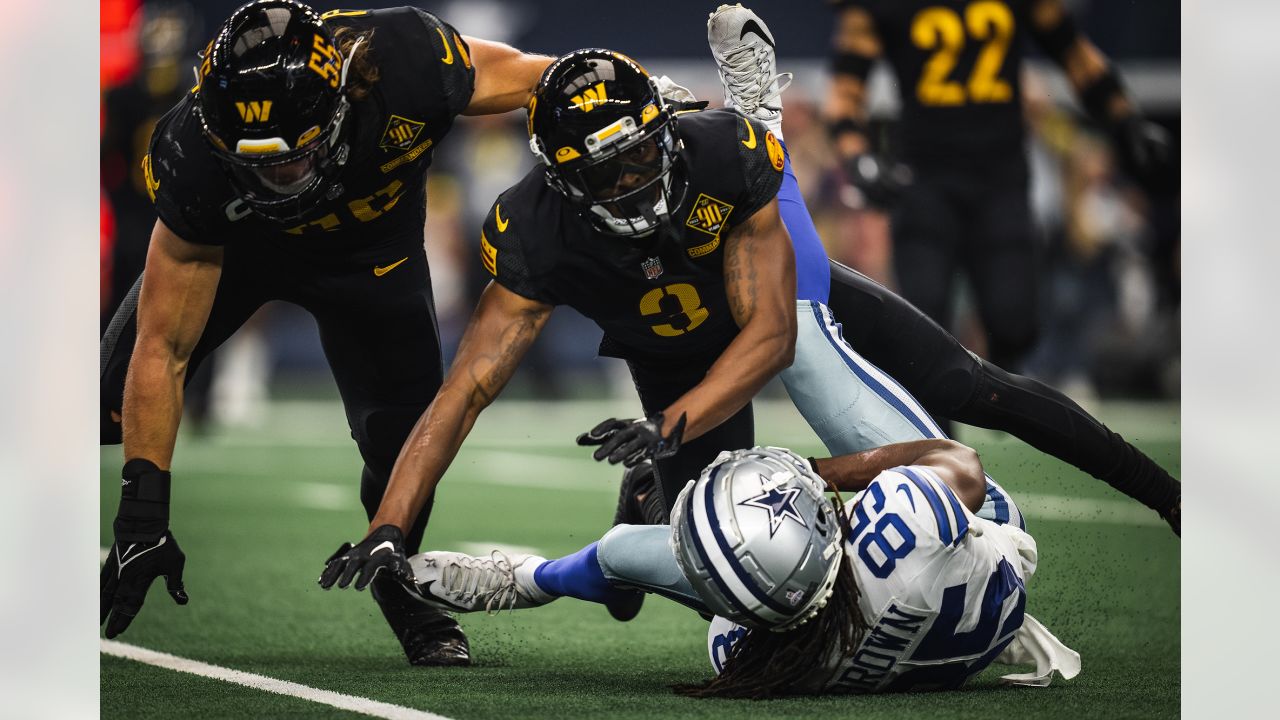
(609,141)
(271,102)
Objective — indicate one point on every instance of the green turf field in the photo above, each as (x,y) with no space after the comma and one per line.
(258,512)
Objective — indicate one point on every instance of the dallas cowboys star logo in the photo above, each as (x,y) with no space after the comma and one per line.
(780,504)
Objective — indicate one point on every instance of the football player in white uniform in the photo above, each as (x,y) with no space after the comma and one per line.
(901,588)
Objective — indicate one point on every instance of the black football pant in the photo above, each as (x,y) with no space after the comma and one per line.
(379,336)
(975,221)
(659,384)
(953,383)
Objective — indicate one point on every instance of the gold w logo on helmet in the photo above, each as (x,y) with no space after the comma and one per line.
(592,96)
(254,111)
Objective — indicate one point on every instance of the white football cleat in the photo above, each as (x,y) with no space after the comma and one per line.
(465,583)
(745,57)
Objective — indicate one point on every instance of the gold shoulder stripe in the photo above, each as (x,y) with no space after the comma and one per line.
(462,50)
(152,184)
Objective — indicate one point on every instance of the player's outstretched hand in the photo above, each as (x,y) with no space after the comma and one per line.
(631,442)
(128,572)
(382,551)
(881,181)
(1147,153)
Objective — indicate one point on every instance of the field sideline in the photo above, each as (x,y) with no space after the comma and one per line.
(257,512)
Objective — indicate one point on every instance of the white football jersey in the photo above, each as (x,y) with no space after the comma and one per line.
(942,591)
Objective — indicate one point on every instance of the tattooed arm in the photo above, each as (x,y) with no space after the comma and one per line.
(501,330)
(760,280)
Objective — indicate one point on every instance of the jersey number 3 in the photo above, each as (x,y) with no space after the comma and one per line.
(678,304)
(941,30)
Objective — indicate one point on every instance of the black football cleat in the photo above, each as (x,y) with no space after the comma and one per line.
(637,484)
(429,637)
(625,606)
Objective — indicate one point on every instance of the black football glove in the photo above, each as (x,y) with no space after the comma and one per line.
(631,442)
(143,550)
(382,551)
(881,181)
(1146,153)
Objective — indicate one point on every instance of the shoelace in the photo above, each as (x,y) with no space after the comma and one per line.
(746,71)
(492,579)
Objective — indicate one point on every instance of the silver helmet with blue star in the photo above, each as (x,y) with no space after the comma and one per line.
(757,538)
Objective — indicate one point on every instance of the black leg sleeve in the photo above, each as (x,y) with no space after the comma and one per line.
(953,383)
(1053,423)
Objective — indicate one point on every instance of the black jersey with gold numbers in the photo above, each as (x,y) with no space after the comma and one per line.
(957,64)
(424,80)
(657,297)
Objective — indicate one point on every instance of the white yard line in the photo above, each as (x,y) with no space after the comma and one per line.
(483,548)
(361,705)
(324,496)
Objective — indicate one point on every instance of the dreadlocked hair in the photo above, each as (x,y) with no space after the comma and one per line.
(766,664)
(364,71)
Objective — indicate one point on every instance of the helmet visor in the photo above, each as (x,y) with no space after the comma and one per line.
(628,170)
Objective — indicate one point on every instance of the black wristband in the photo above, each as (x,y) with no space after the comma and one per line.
(813,465)
(1097,97)
(144,502)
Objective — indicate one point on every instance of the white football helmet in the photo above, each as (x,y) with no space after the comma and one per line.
(757,538)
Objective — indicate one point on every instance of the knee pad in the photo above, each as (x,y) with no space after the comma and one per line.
(954,387)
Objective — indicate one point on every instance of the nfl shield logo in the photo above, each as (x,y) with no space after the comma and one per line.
(652,268)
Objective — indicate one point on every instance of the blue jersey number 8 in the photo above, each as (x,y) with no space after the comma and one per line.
(893,553)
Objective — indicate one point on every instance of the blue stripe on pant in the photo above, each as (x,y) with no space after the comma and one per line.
(813,273)
(853,406)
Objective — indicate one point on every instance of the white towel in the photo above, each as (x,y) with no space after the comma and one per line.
(1033,643)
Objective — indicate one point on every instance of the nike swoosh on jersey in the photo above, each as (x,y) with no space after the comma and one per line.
(380,271)
(750,142)
(448,51)
(751,26)
(497,218)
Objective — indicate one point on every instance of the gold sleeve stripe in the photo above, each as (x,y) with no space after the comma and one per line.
(488,255)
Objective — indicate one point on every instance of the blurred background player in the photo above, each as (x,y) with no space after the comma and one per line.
(961,204)
(856,340)
(295,169)
(807,592)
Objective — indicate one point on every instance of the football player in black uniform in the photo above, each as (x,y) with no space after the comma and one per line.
(966,207)
(664,230)
(295,170)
